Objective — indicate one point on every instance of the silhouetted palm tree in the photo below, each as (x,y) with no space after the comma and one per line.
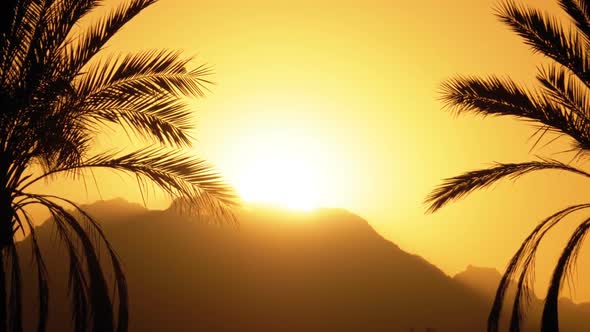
(560,104)
(53,101)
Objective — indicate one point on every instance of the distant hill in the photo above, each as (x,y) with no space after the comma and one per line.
(275,271)
(483,280)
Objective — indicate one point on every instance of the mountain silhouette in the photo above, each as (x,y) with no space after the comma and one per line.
(326,270)
(482,280)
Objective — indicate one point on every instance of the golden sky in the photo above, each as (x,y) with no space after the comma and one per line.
(338,100)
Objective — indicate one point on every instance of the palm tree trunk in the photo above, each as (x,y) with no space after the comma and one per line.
(6,238)
(3,295)
(6,220)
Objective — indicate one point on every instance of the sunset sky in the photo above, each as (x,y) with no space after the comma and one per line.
(335,103)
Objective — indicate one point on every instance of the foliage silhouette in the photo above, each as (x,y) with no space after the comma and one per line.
(53,102)
(560,105)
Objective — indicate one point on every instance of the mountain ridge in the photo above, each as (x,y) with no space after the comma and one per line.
(327,270)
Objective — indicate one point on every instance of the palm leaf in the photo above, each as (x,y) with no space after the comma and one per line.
(142,92)
(179,175)
(18,40)
(42,274)
(459,186)
(579,11)
(545,35)
(165,120)
(97,236)
(550,321)
(567,90)
(497,96)
(522,262)
(156,70)
(91,303)
(79,54)
(62,17)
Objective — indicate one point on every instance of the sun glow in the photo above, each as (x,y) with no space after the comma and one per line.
(283,182)
(283,171)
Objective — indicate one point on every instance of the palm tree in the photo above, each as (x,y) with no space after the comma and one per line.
(53,102)
(560,104)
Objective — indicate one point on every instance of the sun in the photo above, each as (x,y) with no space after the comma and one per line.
(285,181)
(281,170)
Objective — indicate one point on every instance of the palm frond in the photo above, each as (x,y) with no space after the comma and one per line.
(41,67)
(179,175)
(459,186)
(91,303)
(63,16)
(165,120)
(522,264)
(566,90)
(579,11)
(65,142)
(42,274)
(489,96)
(79,54)
(147,72)
(544,34)
(8,15)
(35,62)
(143,92)
(550,321)
(97,236)
(18,41)
(497,96)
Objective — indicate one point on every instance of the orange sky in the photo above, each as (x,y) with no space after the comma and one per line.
(348,91)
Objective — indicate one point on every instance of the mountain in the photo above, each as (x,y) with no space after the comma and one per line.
(482,280)
(274,271)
